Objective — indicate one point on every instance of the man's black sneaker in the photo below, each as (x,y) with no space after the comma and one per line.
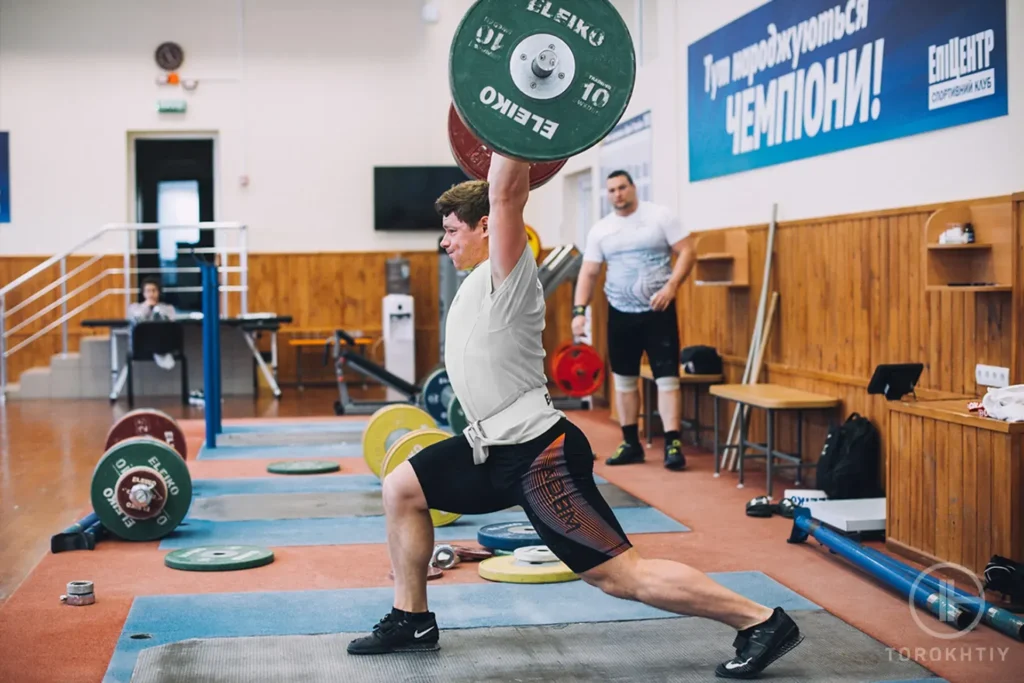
(674,458)
(760,645)
(626,454)
(398,634)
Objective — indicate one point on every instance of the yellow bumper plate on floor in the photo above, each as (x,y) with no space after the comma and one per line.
(408,446)
(386,426)
(507,569)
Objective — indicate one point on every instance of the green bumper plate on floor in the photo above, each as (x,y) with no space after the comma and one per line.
(218,558)
(303,467)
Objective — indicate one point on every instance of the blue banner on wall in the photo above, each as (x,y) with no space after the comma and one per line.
(800,78)
(5,179)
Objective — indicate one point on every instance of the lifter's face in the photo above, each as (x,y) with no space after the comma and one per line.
(621,194)
(151,294)
(466,247)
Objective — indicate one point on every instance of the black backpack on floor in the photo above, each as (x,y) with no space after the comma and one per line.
(850,460)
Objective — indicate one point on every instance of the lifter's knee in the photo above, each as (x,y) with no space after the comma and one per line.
(617,577)
(667,383)
(625,384)
(402,491)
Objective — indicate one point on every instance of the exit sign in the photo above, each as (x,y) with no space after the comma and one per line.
(171,106)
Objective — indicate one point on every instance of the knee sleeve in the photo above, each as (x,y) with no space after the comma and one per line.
(625,384)
(667,383)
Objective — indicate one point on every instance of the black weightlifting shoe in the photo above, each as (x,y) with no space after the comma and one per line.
(399,633)
(760,645)
(626,454)
(674,458)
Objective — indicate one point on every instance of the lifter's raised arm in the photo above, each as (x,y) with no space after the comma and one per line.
(509,189)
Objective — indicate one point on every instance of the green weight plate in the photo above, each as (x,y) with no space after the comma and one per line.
(432,398)
(541,80)
(456,416)
(130,469)
(218,558)
(303,467)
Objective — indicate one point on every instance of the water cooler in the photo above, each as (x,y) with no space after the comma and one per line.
(399,340)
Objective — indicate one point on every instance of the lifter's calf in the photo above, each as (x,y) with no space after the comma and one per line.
(410,537)
(674,587)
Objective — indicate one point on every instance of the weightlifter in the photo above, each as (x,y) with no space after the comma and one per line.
(636,240)
(520,450)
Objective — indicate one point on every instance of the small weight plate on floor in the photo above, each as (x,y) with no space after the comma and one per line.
(149,422)
(114,480)
(507,569)
(541,81)
(391,422)
(457,420)
(218,558)
(303,467)
(408,446)
(535,554)
(470,554)
(432,395)
(432,573)
(507,536)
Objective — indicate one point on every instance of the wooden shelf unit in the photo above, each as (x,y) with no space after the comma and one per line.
(723,259)
(985,265)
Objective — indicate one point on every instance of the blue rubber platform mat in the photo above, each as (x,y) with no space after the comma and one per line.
(355,530)
(161,619)
(282,452)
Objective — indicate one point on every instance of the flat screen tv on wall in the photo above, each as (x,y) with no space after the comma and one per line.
(403,196)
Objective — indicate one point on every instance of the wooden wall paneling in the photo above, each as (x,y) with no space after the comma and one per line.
(1017,324)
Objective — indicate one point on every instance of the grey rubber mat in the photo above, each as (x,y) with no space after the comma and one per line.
(296,438)
(319,505)
(683,650)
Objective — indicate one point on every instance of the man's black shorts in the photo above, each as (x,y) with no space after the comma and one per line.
(551,477)
(630,334)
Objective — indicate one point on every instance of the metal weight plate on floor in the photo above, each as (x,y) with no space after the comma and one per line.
(303,467)
(541,81)
(535,554)
(141,489)
(218,558)
(148,422)
(507,536)
(408,446)
(578,370)
(533,239)
(507,569)
(386,426)
(457,420)
(436,395)
(474,157)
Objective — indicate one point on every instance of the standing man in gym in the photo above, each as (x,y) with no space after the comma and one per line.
(637,241)
(520,450)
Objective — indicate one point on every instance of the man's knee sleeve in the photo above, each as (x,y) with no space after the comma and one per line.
(625,384)
(667,383)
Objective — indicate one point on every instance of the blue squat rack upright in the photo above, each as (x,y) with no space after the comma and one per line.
(211,352)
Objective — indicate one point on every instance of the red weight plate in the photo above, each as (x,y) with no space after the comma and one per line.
(432,573)
(474,157)
(470,554)
(579,371)
(555,356)
(142,493)
(149,422)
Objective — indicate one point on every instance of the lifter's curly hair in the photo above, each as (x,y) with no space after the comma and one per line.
(469,201)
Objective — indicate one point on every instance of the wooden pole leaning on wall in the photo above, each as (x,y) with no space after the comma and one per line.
(755,375)
(755,338)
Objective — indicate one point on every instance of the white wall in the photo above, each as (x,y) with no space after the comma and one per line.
(331,89)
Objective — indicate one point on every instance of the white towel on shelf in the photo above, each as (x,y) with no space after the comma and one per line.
(1005,404)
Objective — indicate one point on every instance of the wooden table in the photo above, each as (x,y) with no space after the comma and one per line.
(685,379)
(954,484)
(770,398)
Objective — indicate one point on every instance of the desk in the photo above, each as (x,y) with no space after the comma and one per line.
(954,484)
(685,379)
(770,398)
(249,328)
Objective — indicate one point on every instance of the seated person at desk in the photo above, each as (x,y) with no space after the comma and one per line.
(151,309)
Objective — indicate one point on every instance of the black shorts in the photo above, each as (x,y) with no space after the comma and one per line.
(551,477)
(630,334)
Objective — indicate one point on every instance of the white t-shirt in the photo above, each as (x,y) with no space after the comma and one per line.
(493,351)
(638,250)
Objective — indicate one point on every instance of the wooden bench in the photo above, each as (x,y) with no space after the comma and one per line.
(302,343)
(685,380)
(771,398)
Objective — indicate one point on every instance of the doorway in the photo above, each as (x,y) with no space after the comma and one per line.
(174,185)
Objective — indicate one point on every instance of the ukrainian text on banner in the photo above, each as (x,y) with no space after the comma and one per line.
(800,78)
(628,148)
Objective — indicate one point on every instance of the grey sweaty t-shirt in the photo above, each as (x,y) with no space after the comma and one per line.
(638,250)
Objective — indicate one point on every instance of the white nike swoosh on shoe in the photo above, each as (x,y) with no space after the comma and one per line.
(737,665)
(420,634)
